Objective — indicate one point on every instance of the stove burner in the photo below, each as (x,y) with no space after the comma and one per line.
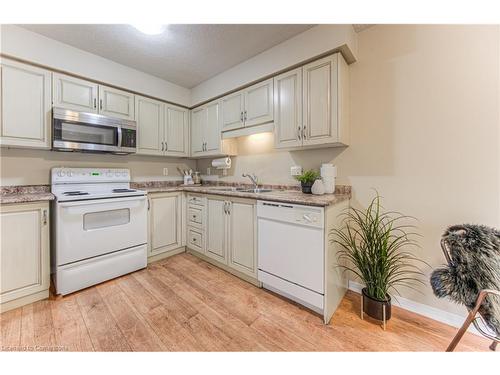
(123,190)
(75,193)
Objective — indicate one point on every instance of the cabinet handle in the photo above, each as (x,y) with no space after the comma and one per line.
(194,239)
(304,134)
(100,104)
(149,205)
(245,115)
(162,146)
(241,116)
(166,146)
(44,217)
(229,208)
(95,103)
(225,208)
(299,134)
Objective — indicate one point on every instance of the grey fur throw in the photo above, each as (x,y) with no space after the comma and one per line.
(475,258)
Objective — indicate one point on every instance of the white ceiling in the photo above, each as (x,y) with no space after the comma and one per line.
(184,54)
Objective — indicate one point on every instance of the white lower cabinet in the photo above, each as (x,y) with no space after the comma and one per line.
(24,254)
(242,254)
(165,223)
(216,229)
(25,105)
(228,234)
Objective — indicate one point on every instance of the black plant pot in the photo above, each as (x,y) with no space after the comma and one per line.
(306,187)
(374,307)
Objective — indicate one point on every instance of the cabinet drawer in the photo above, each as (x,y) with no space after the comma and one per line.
(195,216)
(195,240)
(196,200)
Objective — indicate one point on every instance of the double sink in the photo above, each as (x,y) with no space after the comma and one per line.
(244,190)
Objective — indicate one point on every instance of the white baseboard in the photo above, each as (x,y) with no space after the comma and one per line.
(442,316)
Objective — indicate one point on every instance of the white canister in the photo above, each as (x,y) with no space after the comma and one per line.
(329,184)
(318,188)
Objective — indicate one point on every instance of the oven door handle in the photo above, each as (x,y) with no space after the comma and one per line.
(101,201)
(119,128)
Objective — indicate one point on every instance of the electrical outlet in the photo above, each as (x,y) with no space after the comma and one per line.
(209,170)
(165,171)
(296,170)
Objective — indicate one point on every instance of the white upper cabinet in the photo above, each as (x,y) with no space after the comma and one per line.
(211,129)
(149,115)
(249,107)
(311,105)
(116,103)
(74,93)
(259,103)
(80,95)
(176,131)
(232,108)
(198,119)
(25,111)
(321,98)
(206,137)
(288,109)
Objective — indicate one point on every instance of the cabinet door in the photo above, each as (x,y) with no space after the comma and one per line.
(116,103)
(176,131)
(165,222)
(24,251)
(259,103)
(198,123)
(74,93)
(25,108)
(232,108)
(149,115)
(211,131)
(288,109)
(242,236)
(216,229)
(320,101)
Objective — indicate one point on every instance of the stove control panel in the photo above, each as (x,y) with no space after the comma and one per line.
(89,175)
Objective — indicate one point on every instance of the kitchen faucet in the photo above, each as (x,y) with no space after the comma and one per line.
(252,178)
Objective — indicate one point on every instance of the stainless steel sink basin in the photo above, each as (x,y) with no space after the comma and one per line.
(228,189)
(242,189)
(257,190)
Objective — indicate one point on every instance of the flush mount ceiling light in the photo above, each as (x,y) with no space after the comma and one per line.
(150,28)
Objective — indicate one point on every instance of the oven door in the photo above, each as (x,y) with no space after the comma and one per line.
(86,229)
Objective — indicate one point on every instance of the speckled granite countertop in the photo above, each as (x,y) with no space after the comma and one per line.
(280,193)
(25,193)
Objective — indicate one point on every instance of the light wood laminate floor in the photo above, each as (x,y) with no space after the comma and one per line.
(185,304)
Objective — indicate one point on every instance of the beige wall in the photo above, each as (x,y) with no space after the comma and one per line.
(26,167)
(425,131)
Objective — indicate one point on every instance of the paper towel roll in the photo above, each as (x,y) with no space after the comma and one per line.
(222,163)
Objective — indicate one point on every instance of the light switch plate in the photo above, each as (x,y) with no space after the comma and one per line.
(295,170)
(165,171)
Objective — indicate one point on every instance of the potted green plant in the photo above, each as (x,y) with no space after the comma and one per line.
(375,246)
(307,180)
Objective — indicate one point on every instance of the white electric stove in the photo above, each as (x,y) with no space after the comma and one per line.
(99,226)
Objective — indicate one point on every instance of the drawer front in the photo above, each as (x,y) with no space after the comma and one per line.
(196,200)
(195,216)
(195,240)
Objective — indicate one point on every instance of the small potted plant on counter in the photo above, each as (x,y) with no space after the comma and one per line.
(374,246)
(307,180)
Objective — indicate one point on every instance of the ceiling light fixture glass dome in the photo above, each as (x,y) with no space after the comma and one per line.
(150,28)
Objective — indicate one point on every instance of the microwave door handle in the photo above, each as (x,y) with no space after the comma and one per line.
(119,136)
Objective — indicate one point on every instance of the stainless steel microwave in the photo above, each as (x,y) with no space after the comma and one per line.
(81,131)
